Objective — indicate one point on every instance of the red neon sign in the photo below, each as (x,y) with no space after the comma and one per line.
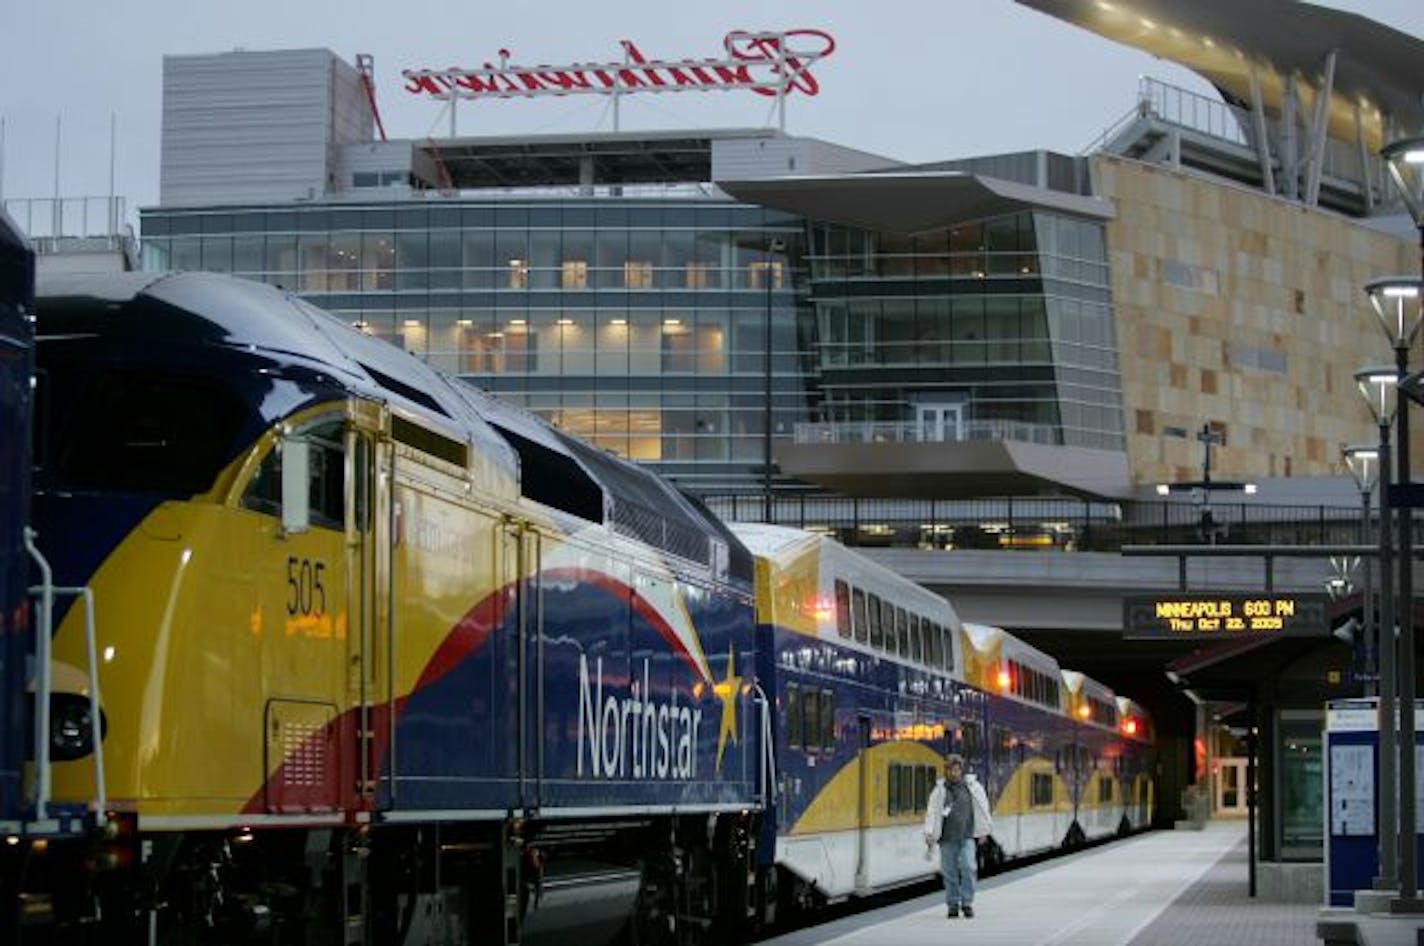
(772,64)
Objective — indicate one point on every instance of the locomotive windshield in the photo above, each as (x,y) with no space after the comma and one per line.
(131,430)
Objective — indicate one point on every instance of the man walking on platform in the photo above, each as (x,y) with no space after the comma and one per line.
(956,818)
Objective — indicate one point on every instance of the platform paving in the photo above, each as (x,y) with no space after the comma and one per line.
(1164,888)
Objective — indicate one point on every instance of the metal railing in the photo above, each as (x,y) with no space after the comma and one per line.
(915,432)
(1034,524)
(68,218)
(1190,110)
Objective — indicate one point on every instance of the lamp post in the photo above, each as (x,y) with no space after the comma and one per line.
(1397,303)
(1380,389)
(1405,160)
(1364,465)
(773,247)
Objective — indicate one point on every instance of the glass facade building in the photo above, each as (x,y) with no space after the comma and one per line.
(639,322)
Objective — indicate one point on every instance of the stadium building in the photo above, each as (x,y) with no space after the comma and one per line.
(1018,324)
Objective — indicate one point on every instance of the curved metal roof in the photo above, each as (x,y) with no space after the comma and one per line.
(1376,66)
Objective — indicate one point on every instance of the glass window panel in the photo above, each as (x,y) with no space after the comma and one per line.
(344,262)
(217,254)
(378,260)
(412,260)
(545,271)
(445,256)
(511,258)
(477,248)
(312,253)
(187,253)
(611,254)
(247,255)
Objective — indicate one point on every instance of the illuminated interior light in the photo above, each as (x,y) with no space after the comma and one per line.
(494,335)
(1413,157)
(564,322)
(412,323)
(109,654)
(1402,292)
(518,322)
(671,323)
(1006,680)
(618,322)
(464,323)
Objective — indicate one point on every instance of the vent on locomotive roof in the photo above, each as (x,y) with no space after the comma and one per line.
(407,391)
(555,479)
(427,440)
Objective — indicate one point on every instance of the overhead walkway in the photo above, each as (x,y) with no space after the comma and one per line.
(1160,889)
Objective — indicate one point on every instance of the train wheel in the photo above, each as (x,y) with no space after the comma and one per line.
(653,922)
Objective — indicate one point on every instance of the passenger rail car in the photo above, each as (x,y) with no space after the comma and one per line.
(873,679)
(863,666)
(1139,764)
(380,655)
(1023,744)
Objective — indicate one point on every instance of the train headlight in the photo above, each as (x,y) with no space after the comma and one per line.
(71,734)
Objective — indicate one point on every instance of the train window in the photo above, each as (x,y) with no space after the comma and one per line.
(327,479)
(810,719)
(793,716)
(1041,790)
(973,739)
(917,640)
(842,608)
(828,720)
(147,431)
(931,642)
(887,621)
(948,642)
(892,798)
(877,630)
(924,781)
(1105,791)
(1002,746)
(862,623)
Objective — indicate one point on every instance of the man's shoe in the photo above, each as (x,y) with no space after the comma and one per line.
(953,912)
(968,910)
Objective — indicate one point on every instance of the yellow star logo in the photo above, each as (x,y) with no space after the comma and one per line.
(726,691)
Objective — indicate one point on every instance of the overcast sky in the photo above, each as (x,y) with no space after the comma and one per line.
(917,80)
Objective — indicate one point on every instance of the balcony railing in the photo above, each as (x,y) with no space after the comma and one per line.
(1033,524)
(914,432)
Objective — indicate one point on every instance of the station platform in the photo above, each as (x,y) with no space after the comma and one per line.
(1163,888)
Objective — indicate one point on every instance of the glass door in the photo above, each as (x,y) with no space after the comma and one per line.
(938,423)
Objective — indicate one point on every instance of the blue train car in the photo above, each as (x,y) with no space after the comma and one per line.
(353,613)
(1024,742)
(17,282)
(872,680)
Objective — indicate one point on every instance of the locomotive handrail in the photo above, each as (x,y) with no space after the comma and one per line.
(44,684)
(44,674)
(768,756)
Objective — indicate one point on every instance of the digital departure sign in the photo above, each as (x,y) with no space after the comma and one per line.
(1198,616)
